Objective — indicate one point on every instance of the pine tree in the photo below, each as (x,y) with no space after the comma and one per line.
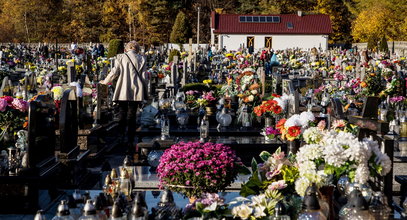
(180,29)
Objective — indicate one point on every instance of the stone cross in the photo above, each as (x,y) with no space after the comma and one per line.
(262,74)
(184,73)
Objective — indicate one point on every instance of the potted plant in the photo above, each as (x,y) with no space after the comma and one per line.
(195,168)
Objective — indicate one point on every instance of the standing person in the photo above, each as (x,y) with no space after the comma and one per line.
(131,88)
(101,50)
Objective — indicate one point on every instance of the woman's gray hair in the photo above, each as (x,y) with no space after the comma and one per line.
(132,45)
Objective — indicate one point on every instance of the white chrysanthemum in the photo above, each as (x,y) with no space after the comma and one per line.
(294,120)
(309,152)
(301,184)
(382,159)
(307,167)
(358,152)
(334,155)
(306,117)
(362,174)
(312,135)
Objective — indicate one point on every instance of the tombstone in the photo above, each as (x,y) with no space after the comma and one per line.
(71,72)
(102,102)
(337,108)
(41,130)
(370,107)
(68,124)
(6,87)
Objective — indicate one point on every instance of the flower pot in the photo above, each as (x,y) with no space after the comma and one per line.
(293,146)
(269,122)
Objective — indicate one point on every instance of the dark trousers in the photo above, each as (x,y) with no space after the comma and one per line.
(127,117)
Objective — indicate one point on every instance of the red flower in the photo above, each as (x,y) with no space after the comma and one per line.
(294,131)
(276,95)
(277,109)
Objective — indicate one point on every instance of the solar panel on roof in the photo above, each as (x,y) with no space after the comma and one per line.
(290,25)
(276,19)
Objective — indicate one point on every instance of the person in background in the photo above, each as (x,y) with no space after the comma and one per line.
(131,88)
(101,50)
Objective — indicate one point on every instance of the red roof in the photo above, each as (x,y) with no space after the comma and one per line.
(305,24)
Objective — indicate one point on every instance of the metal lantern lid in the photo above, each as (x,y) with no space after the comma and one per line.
(89,208)
(63,209)
(40,215)
(310,199)
(116,210)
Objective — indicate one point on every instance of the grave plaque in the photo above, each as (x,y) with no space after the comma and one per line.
(370,107)
(337,109)
(71,72)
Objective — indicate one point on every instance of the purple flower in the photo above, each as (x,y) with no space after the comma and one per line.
(3,105)
(20,104)
(397,99)
(272,131)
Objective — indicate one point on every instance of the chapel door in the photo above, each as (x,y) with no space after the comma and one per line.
(268,42)
(250,44)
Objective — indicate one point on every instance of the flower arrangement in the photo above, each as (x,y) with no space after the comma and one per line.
(338,153)
(268,108)
(258,206)
(57,91)
(277,172)
(12,115)
(292,128)
(210,205)
(270,132)
(195,168)
(207,98)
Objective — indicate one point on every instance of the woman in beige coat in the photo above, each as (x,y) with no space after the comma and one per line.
(131,88)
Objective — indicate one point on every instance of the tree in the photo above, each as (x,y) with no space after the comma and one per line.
(84,23)
(370,26)
(180,29)
(114,16)
(384,47)
(340,18)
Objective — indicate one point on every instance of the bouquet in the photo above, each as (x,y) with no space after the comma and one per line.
(292,128)
(206,99)
(268,108)
(12,115)
(338,153)
(195,168)
(271,181)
